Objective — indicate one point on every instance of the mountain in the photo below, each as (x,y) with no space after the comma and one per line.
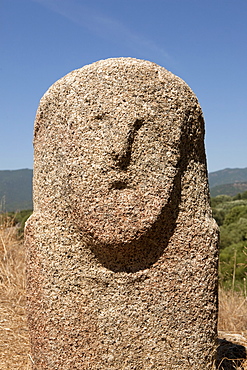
(229,181)
(227,176)
(16,186)
(16,190)
(229,189)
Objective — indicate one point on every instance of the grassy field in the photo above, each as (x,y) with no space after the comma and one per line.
(14,340)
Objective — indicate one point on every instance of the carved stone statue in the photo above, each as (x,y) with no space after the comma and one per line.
(122,246)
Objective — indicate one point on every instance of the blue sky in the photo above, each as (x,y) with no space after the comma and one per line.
(203,42)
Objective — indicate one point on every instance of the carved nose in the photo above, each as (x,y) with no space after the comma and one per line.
(122,145)
(121,152)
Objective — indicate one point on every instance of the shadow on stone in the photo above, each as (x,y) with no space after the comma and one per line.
(230,356)
(143,253)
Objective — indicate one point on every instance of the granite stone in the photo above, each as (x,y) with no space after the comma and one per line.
(122,247)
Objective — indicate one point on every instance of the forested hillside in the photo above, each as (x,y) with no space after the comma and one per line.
(16,186)
(231,216)
(228,189)
(230,213)
(227,176)
(15,190)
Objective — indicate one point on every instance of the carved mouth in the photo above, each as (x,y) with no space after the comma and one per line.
(119,185)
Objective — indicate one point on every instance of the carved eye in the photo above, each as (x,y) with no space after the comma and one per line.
(138,124)
(99,116)
(96,120)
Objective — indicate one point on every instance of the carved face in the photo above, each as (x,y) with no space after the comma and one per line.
(108,141)
(122,159)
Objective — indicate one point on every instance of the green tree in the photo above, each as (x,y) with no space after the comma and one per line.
(231,215)
(235,214)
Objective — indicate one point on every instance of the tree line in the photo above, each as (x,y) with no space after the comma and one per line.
(230,214)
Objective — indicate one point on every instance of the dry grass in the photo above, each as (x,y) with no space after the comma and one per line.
(14,340)
(233,312)
(232,326)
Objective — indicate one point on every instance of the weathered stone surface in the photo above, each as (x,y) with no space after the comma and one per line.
(122,247)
